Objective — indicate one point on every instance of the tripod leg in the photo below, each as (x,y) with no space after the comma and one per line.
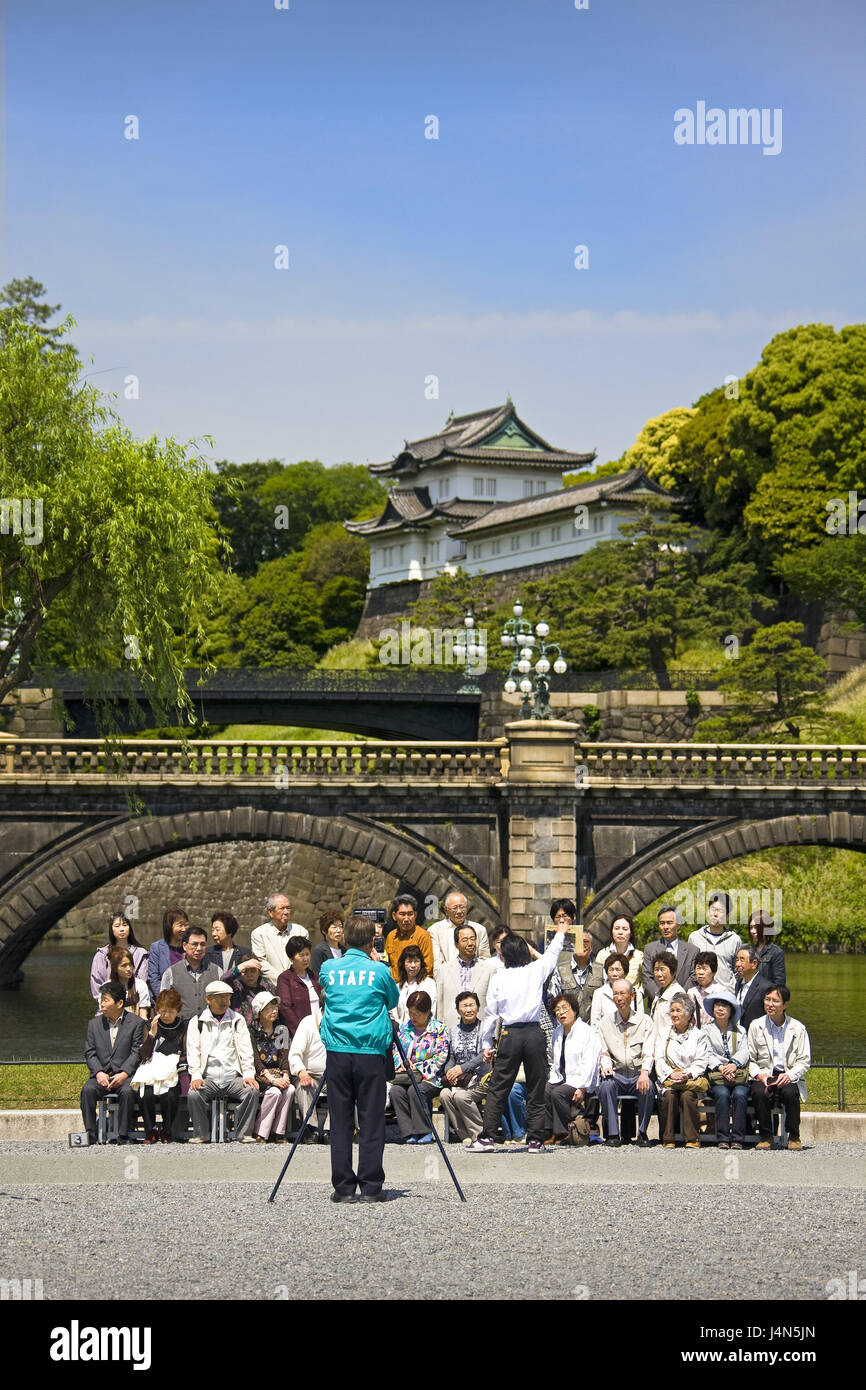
(300,1135)
(405,1062)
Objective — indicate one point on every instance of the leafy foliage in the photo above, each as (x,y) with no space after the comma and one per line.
(776,683)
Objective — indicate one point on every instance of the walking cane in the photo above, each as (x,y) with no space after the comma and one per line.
(405,1061)
(298,1137)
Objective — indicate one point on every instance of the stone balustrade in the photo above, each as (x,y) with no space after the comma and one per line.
(719,764)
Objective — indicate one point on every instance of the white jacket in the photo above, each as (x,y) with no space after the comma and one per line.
(582,1056)
(269,948)
(444,948)
(306,1050)
(686,1051)
(798,1051)
(199,1040)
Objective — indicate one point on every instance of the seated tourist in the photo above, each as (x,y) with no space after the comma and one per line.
(120,933)
(224,954)
(162,1064)
(728,1068)
(271,1061)
(298,988)
(779,1057)
(681,1056)
(706,965)
(333,943)
(622,944)
(615,968)
(413,975)
(219,1053)
(168,950)
(513,1118)
(111,1053)
(246,980)
(771,957)
(307,1059)
(461,1098)
(667,988)
(425,1042)
(627,1055)
(571,1093)
(121,967)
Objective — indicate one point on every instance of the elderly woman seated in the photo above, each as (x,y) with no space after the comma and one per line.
(426,1044)
(728,1068)
(681,1060)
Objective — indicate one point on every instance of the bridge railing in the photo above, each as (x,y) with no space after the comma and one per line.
(726,764)
(279,761)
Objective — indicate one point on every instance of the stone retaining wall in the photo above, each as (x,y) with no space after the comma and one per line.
(633,716)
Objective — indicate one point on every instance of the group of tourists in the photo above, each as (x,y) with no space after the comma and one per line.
(515,1044)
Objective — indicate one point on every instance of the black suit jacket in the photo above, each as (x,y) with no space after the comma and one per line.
(101,1056)
(687,954)
(754,1005)
(214,956)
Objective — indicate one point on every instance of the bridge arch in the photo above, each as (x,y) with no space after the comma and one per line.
(63,875)
(666,864)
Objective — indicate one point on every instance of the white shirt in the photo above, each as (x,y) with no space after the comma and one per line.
(315,1007)
(582,1055)
(306,1050)
(780,1061)
(427,986)
(516,995)
(686,1051)
(222,1065)
(444,948)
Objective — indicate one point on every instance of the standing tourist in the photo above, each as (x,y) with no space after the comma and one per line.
(120,933)
(169,950)
(269,941)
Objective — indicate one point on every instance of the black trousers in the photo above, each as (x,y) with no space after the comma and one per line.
(168,1102)
(561,1109)
(356,1079)
(526,1043)
(763,1101)
(93,1092)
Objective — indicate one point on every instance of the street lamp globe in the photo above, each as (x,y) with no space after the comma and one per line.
(542,666)
(526,687)
(510,687)
(518,609)
(560,666)
(524,667)
(542,629)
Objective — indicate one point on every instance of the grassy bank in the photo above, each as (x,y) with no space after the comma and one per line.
(58,1088)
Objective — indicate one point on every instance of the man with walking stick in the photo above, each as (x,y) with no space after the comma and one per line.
(357,1034)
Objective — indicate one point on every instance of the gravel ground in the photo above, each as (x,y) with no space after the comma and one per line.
(524,1232)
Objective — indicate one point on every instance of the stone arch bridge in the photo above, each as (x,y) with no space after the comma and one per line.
(513,822)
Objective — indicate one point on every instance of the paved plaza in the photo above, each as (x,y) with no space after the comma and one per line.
(573,1224)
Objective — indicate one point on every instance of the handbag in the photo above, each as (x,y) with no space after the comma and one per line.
(741,1075)
(698,1084)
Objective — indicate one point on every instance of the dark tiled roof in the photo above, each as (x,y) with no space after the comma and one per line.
(629,487)
(464,434)
(412,505)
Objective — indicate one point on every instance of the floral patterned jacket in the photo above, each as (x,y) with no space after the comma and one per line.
(427,1051)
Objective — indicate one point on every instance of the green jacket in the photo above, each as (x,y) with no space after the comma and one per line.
(358,994)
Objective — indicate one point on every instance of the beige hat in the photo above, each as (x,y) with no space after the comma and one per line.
(217,987)
(261,1001)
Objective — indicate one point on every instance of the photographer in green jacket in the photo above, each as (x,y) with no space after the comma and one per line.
(357,1034)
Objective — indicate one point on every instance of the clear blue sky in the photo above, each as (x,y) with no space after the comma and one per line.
(410,256)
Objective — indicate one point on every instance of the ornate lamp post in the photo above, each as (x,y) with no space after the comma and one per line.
(530,666)
(468,652)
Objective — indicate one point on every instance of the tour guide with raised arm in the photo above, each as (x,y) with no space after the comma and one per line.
(516,997)
(357,1034)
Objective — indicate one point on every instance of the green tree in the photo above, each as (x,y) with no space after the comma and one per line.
(627,603)
(832,572)
(277,619)
(656,447)
(20,302)
(124,560)
(775,684)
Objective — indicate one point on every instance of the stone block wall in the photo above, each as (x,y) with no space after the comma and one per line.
(235,877)
(30,714)
(842,650)
(629,716)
